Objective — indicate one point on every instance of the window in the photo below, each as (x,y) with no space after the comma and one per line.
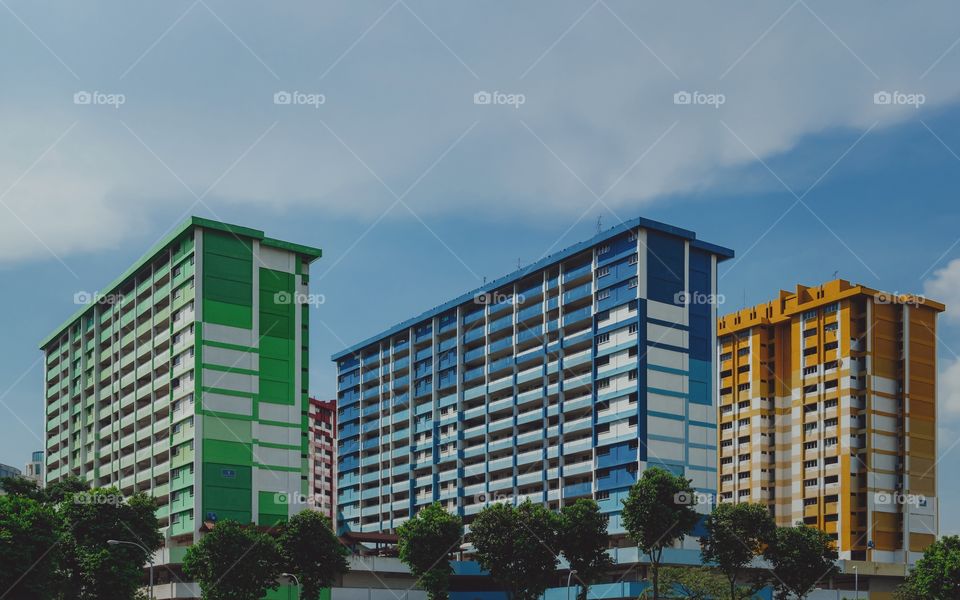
(633,282)
(633,236)
(830,327)
(810,332)
(809,315)
(603,338)
(632,375)
(634,327)
(603,294)
(809,464)
(830,346)
(603,383)
(603,249)
(743,351)
(603,272)
(725,356)
(633,259)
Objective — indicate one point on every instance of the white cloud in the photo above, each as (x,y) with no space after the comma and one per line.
(944,286)
(598,98)
(949,390)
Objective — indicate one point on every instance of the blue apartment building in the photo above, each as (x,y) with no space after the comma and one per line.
(562,380)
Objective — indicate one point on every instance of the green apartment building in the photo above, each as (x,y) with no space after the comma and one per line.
(186,378)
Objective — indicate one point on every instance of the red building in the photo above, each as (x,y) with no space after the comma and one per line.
(323,456)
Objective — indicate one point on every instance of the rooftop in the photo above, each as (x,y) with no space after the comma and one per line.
(806,298)
(640,222)
(189,223)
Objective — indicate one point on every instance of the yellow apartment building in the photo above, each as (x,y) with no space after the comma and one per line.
(827,414)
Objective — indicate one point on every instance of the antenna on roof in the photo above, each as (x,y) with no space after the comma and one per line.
(836,274)
(519,264)
(599,223)
(484,280)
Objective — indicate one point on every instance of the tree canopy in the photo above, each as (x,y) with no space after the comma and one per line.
(425,544)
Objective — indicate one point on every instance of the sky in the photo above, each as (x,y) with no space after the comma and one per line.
(426,146)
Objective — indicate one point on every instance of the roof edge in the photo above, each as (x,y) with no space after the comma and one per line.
(166,240)
(721,252)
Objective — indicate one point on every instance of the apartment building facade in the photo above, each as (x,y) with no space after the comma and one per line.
(323,457)
(559,381)
(34,469)
(186,378)
(827,414)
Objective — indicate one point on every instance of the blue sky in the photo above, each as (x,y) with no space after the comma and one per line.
(415,192)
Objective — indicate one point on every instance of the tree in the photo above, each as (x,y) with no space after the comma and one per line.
(233,562)
(736,533)
(800,556)
(22,486)
(425,543)
(93,569)
(29,551)
(311,551)
(517,546)
(53,493)
(657,512)
(59,490)
(583,539)
(937,574)
(693,583)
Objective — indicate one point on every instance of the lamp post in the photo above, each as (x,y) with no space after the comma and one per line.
(569,575)
(149,559)
(294,577)
(856,583)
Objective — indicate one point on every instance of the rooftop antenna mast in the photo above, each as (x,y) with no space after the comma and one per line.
(599,223)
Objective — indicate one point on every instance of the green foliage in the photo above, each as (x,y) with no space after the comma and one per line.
(59,490)
(583,539)
(53,493)
(657,512)
(937,574)
(23,487)
(425,543)
(311,551)
(234,562)
(517,546)
(800,557)
(29,553)
(693,583)
(736,533)
(93,569)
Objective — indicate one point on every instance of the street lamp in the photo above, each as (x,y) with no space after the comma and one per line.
(149,559)
(294,577)
(569,575)
(856,583)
